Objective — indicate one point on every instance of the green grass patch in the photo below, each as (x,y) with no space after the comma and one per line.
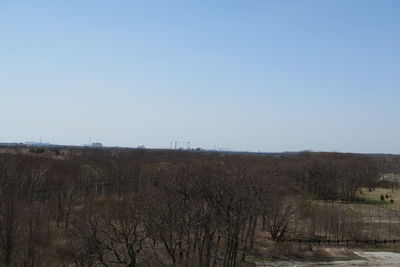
(380,196)
(369,201)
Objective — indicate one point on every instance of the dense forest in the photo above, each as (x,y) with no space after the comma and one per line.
(116,207)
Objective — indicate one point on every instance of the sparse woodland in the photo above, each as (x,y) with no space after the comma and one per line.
(109,207)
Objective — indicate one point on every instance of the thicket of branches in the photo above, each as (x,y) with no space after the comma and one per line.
(140,208)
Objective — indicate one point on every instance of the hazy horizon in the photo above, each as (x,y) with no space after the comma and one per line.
(265,76)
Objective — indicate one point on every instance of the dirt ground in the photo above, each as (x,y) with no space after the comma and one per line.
(389,259)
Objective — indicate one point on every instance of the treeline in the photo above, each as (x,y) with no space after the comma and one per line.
(140,208)
(335,176)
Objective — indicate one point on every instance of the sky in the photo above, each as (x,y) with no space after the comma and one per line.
(250,75)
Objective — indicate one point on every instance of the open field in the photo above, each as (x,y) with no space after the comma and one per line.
(374,197)
(393,177)
(388,259)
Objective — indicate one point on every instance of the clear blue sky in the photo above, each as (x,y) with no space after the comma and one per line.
(246,75)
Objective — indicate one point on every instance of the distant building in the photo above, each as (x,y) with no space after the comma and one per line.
(97,145)
(141,147)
